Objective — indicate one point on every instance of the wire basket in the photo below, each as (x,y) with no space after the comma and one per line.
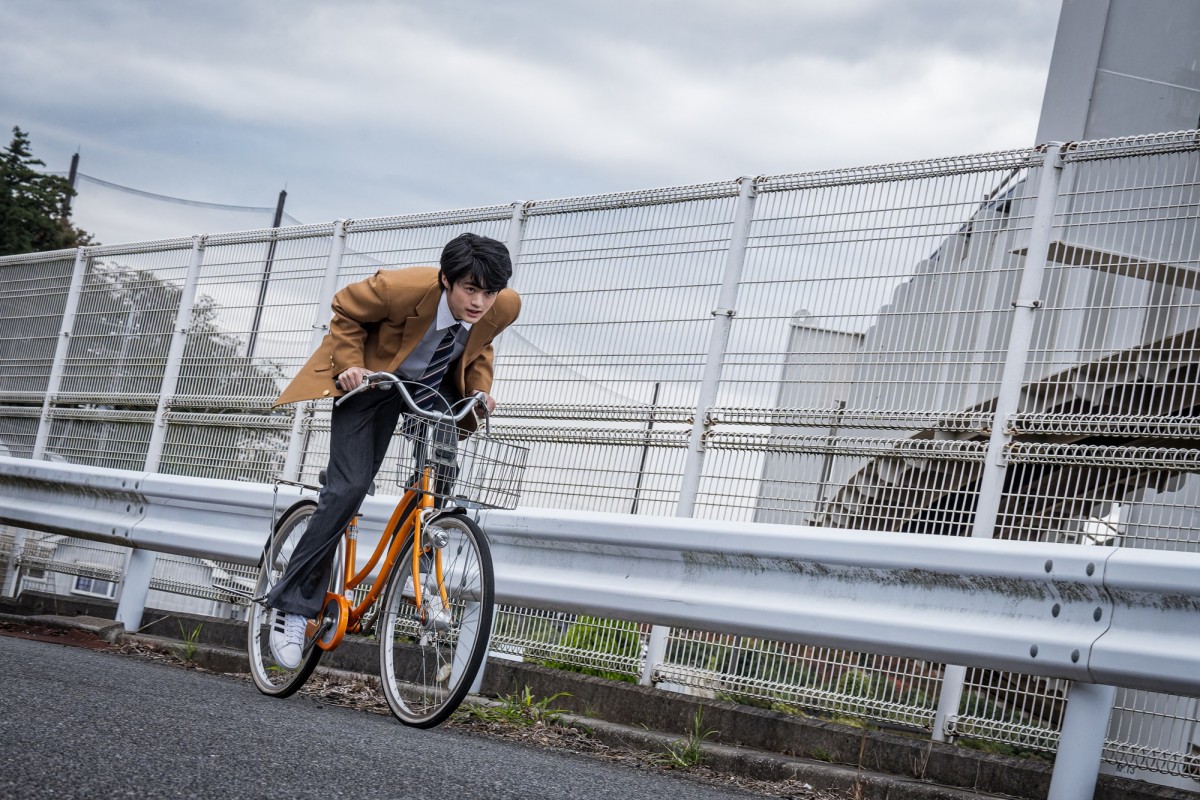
(481,471)
(490,471)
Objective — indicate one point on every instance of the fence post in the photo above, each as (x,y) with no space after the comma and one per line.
(516,231)
(61,349)
(179,336)
(710,378)
(710,382)
(1008,397)
(320,326)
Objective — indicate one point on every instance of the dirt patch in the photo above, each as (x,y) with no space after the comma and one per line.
(71,637)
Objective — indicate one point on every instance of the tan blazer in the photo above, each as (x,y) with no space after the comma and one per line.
(379,321)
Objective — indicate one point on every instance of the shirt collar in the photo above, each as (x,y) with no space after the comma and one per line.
(444,318)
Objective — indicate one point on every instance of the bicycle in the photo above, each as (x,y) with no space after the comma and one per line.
(435,573)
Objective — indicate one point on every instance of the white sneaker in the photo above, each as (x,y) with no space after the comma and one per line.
(287,639)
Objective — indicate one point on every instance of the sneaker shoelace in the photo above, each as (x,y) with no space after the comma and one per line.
(293,629)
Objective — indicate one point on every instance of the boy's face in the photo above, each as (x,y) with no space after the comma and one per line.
(467,301)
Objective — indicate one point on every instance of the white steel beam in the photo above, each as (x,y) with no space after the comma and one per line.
(1093,614)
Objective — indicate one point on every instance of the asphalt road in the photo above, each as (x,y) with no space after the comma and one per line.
(83,723)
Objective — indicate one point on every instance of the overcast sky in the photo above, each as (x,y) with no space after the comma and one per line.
(366,109)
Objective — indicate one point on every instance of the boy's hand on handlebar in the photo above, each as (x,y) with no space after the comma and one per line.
(489,404)
(351,378)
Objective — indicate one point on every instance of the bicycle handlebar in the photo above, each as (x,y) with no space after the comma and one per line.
(386,379)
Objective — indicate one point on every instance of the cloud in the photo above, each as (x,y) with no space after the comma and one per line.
(371,108)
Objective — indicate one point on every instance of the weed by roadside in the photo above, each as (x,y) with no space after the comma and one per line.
(689,752)
(191,640)
(518,708)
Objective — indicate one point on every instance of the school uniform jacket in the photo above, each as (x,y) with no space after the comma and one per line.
(379,321)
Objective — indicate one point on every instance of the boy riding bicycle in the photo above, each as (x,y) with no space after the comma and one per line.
(431,326)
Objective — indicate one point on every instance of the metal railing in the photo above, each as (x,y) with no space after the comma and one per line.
(1094,615)
(996,345)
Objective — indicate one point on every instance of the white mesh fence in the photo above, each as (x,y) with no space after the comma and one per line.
(835,361)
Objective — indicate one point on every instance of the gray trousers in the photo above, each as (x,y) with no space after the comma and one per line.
(360,431)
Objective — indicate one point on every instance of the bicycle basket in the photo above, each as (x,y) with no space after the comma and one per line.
(489,472)
(480,471)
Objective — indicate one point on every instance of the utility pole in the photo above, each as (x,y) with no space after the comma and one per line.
(266,278)
(71,181)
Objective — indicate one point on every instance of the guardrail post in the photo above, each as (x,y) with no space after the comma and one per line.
(1008,397)
(320,326)
(60,349)
(710,382)
(12,571)
(135,588)
(179,336)
(1081,742)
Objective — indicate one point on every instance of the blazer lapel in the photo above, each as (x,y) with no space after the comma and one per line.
(415,326)
(482,332)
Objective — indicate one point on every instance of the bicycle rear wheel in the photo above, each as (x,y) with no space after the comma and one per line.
(269,676)
(427,664)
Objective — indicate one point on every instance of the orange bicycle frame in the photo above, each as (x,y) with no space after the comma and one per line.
(405,522)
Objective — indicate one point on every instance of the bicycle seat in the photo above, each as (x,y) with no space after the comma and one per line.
(321,480)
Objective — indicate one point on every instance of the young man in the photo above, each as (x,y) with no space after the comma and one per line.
(434,326)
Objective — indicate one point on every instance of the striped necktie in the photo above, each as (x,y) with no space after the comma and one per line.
(432,377)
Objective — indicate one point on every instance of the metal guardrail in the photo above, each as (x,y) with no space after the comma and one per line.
(1101,616)
(1092,614)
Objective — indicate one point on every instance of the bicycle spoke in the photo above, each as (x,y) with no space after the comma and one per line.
(427,664)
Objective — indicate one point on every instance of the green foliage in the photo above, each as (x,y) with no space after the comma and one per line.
(518,708)
(590,635)
(123,331)
(34,215)
(190,640)
(687,752)
(999,748)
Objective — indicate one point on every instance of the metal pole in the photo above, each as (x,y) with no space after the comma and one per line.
(1081,742)
(61,349)
(71,177)
(12,571)
(266,277)
(637,489)
(183,316)
(135,588)
(656,650)
(1008,397)
(337,247)
(710,381)
(516,232)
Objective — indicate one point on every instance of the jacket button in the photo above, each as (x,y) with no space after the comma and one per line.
(325,393)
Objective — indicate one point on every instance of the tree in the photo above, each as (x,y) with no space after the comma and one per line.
(34,207)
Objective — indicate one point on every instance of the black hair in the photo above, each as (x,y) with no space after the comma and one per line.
(472,256)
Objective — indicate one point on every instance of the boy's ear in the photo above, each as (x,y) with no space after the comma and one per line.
(443,282)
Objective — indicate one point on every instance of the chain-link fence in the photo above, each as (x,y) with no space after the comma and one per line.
(994,345)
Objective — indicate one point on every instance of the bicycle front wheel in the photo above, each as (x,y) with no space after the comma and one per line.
(269,676)
(427,661)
